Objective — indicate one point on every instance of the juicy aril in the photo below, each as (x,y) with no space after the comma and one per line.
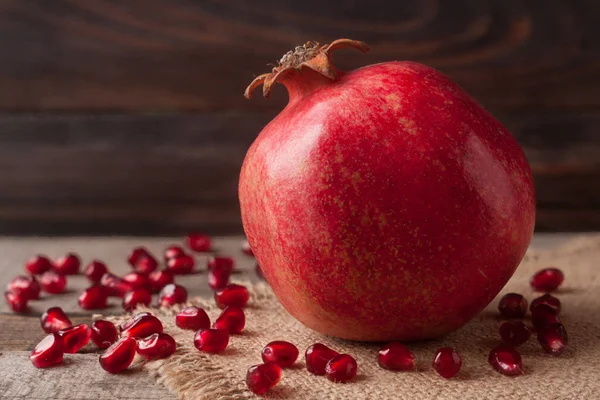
(383,203)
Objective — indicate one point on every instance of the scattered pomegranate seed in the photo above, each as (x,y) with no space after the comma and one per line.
(95,270)
(232,319)
(27,286)
(141,325)
(317,356)
(192,318)
(136,297)
(116,287)
(211,340)
(93,298)
(75,337)
(137,280)
(16,301)
(506,360)
(548,300)
(221,263)
(218,278)
(68,264)
(137,254)
(263,377)
(182,265)
(104,333)
(198,242)
(396,357)
(281,353)
(553,338)
(259,271)
(156,346)
(119,355)
(173,251)
(514,333)
(48,352)
(543,315)
(447,362)
(146,265)
(547,279)
(341,368)
(232,295)
(53,283)
(172,294)
(37,265)
(512,305)
(160,279)
(246,249)
(54,320)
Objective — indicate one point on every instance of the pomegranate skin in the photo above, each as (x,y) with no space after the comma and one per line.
(386,205)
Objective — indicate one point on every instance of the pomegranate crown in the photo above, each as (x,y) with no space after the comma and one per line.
(310,55)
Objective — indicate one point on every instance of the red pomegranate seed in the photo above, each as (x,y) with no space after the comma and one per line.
(137,254)
(553,338)
(259,271)
(27,286)
(16,301)
(317,356)
(506,360)
(37,265)
(75,337)
(160,279)
(396,357)
(119,355)
(146,265)
(93,298)
(54,320)
(48,352)
(246,249)
(137,280)
(221,263)
(341,368)
(447,362)
(211,340)
(281,353)
(68,264)
(199,242)
(116,287)
(142,325)
(547,279)
(53,283)
(232,319)
(136,297)
(512,305)
(548,300)
(173,251)
(263,377)
(514,333)
(182,265)
(218,278)
(95,270)
(172,294)
(543,315)
(156,346)
(232,295)
(192,318)
(104,333)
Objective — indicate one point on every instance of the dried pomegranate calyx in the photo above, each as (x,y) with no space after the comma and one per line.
(312,56)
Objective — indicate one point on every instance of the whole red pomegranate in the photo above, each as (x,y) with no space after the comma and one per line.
(383,203)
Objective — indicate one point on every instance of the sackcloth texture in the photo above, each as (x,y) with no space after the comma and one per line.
(575,374)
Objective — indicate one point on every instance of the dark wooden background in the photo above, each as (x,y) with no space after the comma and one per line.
(127,117)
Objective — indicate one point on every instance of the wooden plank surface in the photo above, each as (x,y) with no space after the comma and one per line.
(81,377)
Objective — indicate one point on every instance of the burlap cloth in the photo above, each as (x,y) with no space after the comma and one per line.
(574,375)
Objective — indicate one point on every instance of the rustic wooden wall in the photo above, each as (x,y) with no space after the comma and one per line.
(128,116)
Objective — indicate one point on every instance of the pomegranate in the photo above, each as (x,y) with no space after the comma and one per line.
(160,279)
(281,353)
(261,378)
(54,320)
(512,305)
(27,286)
(137,280)
(156,346)
(547,279)
(506,360)
(232,295)
(95,270)
(192,318)
(514,333)
(141,325)
(137,253)
(136,297)
(548,300)
(37,265)
(383,203)
(75,337)
(341,368)
(172,294)
(447,362)
(553,338)
(119,355)
(173,251)
(211,340)
(115,286)
(317,356)
(222,263)
(53,283)
(93,298)
(16,300)
(543,315)
(48,352)
(145,265)
(232,319)
(396,357)
(199,242)
(68,264)
(181,265)
(218,278)
(104,333)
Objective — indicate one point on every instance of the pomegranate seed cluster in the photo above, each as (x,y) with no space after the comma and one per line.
(143,333)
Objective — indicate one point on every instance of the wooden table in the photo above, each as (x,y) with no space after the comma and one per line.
(80,376)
